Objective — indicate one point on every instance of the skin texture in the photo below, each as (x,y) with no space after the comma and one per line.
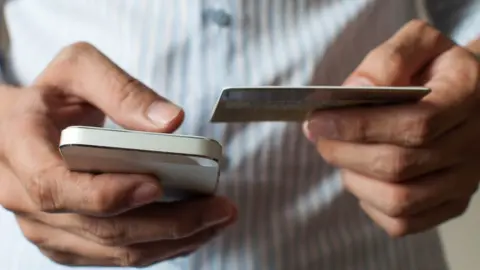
(84,219)
(411,166)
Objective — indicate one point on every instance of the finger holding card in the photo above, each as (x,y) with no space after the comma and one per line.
(405,161)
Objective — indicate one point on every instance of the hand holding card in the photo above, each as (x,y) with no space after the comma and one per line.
(413,166)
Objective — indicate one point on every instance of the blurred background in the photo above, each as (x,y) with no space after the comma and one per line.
(461,238)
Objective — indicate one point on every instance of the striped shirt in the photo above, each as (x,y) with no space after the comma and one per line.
(293,211)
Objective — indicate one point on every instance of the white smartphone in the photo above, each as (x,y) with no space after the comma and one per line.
(185,165)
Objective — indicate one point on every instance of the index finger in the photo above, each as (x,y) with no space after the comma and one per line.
(102,83)
(154,222)
(407,59)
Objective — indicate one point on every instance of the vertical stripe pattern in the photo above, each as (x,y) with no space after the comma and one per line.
(293,211)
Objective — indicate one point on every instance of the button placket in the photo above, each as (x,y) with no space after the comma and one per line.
(218,16)
(218,12)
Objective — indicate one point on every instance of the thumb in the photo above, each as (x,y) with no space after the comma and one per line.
(398,61)
(83,71)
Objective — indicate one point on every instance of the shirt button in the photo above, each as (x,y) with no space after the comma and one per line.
(218,16)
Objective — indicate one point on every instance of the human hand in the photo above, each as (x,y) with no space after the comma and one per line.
(411,166)
(85,219)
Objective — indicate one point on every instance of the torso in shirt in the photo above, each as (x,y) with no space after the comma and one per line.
(293,212)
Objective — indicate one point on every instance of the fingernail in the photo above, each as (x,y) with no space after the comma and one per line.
(144,194)
(162,113)
(307,132)
(324,127)
(219,214)
(358,81)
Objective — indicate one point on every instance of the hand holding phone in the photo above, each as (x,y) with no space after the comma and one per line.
(80,218)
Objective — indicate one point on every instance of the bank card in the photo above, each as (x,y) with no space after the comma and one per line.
(293,104)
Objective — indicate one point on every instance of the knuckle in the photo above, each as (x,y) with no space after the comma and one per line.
(105,232)
(418,130)
(398,202)
(418,25)
(193,224)
(101,203)
(42,190)
(196,222)
(104,201)
(31,233)
(392,58)
(70,59)
(75,53)
(467,75)
(173,232)
(129,257)
(82,47)
(360,128)
(128,94)
(59,257)
(398,228)
(185,227)
(392,164)
(126,89)
(327,153)
(424,30)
